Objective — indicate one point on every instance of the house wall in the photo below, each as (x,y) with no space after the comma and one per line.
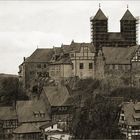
(52,128)
(58,136)
(85,56)
(27,136)
(33,70)
(58,71)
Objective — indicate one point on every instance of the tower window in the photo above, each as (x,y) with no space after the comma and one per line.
(90,65)
(38,65)
(81,66)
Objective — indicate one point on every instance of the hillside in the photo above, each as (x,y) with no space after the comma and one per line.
(9,89)
(97,108)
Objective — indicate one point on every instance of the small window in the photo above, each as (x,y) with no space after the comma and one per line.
(122,118)
(72,66)
(81,66)
(38,65)
(90,65)
(45,66)
(71,55)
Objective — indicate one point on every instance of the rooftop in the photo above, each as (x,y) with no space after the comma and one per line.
(7,113)
(57,96)
(26,128)
(100,15)
(119,55)
(30,111)
(130,114)
(41,55)
(128,16)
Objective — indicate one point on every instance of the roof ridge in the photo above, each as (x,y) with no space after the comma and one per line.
(100,15)
(128,16)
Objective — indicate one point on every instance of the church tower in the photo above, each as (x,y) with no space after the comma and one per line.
(128,28)
(99,29)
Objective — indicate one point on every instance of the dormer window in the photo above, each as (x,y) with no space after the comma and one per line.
(42,114)
(36,114)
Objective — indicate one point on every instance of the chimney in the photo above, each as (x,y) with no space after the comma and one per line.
(24,58)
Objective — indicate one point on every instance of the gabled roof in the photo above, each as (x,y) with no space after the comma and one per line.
(56,95)
(41,55)
(62,60)
(26,128)
(128,16)
(27,109)
(75,47)
(100,15)
(119,55)
(130,114)
(7,113)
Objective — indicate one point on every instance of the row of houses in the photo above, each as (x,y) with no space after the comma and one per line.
(45,117)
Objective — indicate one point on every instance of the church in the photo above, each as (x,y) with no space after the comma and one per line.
(108,53)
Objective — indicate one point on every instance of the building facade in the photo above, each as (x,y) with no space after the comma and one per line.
(108,54)
(101,37)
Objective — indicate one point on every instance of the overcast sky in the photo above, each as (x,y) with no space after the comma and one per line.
(26,24)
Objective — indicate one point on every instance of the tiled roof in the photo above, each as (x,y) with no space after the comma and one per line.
(26,111)
(7,113)
(62,60)
(118,55)
(41,55)
(137,106)
(130,113)
(57,96)
(26,128)
(128,16)
(100,15)
(75,47)
(57,50)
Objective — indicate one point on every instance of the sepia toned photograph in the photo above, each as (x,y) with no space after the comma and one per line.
(69,70)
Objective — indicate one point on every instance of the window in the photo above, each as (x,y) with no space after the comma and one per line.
(90,65)
(71,55)
(122,118)
(44,65)
(72,66)
(81,66)
(38,65)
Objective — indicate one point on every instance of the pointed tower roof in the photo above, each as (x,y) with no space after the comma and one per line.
(128,16)
(100,15)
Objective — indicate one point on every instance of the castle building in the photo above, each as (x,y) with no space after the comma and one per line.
(109,53)
(101,37)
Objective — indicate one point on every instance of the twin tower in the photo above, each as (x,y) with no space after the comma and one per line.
(101,37)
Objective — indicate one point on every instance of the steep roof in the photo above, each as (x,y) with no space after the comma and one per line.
(62,60)
(41,55)
(100,15)
(128,16)
(57,96)
(119,55)
(130,114)
(26,110)
(26,128)
(75,47)
(7,113)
